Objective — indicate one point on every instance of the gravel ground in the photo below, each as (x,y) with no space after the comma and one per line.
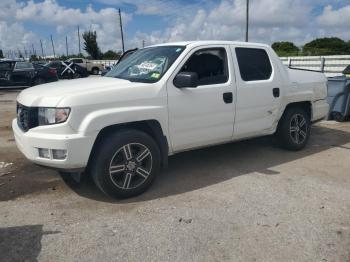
(246,201)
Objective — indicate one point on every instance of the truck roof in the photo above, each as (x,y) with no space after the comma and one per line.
(212,42)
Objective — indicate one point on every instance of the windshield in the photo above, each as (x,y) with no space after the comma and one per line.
(147,65)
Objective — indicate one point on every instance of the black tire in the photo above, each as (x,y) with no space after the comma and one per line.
(337,116)
(119,153)
(76,75)
(293,130)
(38,81)
(95,71)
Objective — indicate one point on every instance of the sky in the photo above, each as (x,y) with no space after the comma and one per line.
(24,23)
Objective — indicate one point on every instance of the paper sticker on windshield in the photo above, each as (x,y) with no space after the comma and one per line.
(178,50)
(155,75)
(147,66)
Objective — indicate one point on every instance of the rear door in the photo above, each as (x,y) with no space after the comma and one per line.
(23,74)
(258,92)
(203,115)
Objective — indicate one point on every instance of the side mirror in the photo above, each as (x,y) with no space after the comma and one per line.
(186,79)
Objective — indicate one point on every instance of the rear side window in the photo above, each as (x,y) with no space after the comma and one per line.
(5,66)
(254,64)
(210,65)
(79,61)
(23,65)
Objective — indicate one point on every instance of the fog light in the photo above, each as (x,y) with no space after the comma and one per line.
(59,154)
(44,153)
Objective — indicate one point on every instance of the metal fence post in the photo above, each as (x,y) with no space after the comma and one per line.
(289,61)
(323,62)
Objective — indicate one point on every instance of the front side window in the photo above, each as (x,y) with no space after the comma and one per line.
(23,65)
(210,66)
(147,65)
(254,64)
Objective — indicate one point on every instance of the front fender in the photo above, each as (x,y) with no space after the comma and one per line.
(99,119)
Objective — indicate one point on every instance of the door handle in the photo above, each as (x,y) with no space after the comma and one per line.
(228,97)
(276,92)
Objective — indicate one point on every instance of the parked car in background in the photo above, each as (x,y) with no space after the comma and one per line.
(107,69)
(68,70)
(25,74)
(123,56)
(163,100)
(92,68)
(346,71)
(39,62)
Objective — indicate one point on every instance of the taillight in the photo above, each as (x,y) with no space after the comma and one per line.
(53,71)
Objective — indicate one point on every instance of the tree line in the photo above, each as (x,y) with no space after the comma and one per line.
(316,47)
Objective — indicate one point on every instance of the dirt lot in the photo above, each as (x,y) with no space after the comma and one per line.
(247,201)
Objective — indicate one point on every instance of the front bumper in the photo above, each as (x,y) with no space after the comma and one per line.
(78,147)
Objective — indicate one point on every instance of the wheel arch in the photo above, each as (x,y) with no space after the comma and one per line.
(306,105)
(151,127)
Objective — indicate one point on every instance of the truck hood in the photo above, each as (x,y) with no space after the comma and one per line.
(51,94)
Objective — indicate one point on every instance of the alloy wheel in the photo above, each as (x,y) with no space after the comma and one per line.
(298,129)
(130,166)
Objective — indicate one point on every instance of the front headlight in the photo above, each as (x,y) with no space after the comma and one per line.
(49,116)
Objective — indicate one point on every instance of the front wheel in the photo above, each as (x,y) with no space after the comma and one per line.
(294,129)
(125,163)
(76,75)
(95,71)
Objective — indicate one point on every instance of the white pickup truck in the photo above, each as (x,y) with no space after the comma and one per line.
(162,100)
(92,68)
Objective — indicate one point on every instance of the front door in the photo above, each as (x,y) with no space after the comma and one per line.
(203,115)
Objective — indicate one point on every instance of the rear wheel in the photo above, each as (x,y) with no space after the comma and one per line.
(337,116)
(95,71)
(294,128)
(76,75)
(125,163)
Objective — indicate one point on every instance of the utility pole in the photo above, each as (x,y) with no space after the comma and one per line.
(67,45)
(53,47)
(34,52)
(121,30)
(42,49)
(247,22)
(79,40)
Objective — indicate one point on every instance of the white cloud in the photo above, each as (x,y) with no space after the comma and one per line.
(331,17)
(270,21)
(64,20)
(164,8)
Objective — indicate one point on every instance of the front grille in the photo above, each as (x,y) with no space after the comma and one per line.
(27,117)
